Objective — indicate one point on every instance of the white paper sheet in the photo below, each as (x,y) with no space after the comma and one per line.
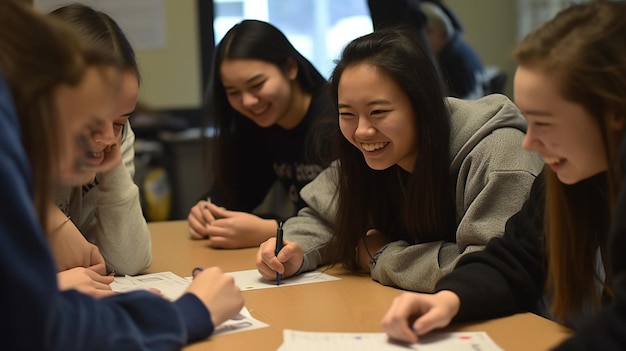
(294,340)
(241,322)
(172,287)
(252,280)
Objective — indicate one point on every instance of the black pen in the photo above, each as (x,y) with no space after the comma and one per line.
(279,246)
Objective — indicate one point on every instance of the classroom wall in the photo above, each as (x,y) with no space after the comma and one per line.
(172,75)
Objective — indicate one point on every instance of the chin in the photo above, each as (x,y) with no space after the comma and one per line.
(264,123)
(78,179)
(377,166)
(569,180)
(86,178)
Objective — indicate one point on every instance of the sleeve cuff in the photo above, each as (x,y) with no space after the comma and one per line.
(196,317)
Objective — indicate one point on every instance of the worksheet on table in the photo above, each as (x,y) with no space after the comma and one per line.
(295,340)
(168,284)
(252,279)
(172,286)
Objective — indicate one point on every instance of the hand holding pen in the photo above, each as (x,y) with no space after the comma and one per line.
(279,261)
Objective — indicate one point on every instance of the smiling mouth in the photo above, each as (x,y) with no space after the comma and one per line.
(260,110)
(553,160)
(95,154)
(373,146)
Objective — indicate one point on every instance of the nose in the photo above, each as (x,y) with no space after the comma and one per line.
(531,142)
(364,128)
(249,100)
(105,135)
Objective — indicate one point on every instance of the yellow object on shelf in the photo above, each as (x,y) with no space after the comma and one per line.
(158,195)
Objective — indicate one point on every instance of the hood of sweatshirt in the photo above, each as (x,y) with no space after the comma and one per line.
(472,120)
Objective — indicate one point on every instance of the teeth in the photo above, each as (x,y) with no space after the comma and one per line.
(373,146)
(94,154)
(552,160)
(260,110)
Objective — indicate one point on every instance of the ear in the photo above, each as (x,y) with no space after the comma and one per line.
(616,122)
(291,68)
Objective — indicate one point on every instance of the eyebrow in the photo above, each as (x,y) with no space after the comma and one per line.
(128,114)
(373,102)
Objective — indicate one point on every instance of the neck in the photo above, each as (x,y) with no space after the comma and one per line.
(297,109)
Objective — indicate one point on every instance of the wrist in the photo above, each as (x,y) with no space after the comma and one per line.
(373,245)
(271,226)
(112,176)
(452,301)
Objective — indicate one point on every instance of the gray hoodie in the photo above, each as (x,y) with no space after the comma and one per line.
(108,213)
(493,178)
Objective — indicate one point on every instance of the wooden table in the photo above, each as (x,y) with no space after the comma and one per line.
(351,304)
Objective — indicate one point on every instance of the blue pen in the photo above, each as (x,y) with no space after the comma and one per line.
(279,246)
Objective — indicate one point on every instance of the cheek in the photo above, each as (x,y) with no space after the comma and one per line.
(595,146)
(233,101)
(404,137)
(347,128)
(65,156)
(74,151)
(67,143)
(401,130)
(278,92)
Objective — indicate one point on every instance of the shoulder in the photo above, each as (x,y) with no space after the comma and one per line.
(473,120)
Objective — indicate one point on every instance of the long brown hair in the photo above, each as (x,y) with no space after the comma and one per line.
(37,54)
(583,50)
(100,32)
(417,206)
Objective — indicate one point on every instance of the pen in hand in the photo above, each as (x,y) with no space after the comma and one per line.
(279,246)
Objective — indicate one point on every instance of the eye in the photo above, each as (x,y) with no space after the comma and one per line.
(118,128)
(541,124)
(346,114)
(378,112)
(258,85)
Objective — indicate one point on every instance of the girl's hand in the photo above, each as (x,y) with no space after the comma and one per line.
(414,314)
(218,292)
(199,219)
(234,229)
(86,281)
(287,262)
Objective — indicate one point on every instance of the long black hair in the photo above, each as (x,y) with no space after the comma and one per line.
(416,206)
(256,40)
